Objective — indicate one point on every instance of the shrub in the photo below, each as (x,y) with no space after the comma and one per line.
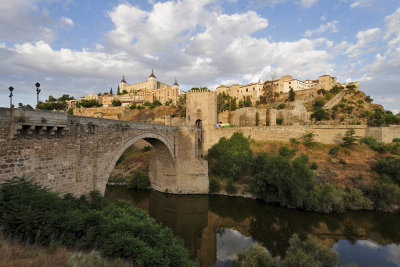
(374,144)
(355,200)
(116,103)
(277,179)
(231,188)
(256,256)
(281,106)
(334,151)
(133,106)
(309,252)
(308,139)
(147,149)
(88,103)
(214,185)
(285,151)
(385,195)
(336,89)
(342,161)
(234,152)
(131,234)
(139,179)
(396,140)
(390,167)
(349,138)
(70,111)
(279,121)
(294,141)
(313,166)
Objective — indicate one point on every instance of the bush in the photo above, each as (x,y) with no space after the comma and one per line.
(281,106)
(294,141)
(334,151)
(342,161)
(116,103)
(385,195)
(309,253)
(234,152)
(147,149)
(88,103)
(313,166)
(256,256)
(139,179)
(214,185)
(131,234)
(326,199)
(285,151)
(70,111)
(396,140)
(374,144)
(389,167)
(231,188)
(277,179)
(308,139)
(34,215)
(355,200)
(279,121)
(133,106)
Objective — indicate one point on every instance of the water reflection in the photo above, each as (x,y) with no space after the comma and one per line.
(215,228)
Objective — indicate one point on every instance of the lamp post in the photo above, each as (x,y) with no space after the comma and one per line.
(37,91)
(11,95)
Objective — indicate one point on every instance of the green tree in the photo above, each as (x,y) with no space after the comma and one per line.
(111,92)
(234,152)
(349,138)
(292,95)
(139,179)
(256,256)
(118,91)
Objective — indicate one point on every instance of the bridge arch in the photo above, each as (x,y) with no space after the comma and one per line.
(163,164)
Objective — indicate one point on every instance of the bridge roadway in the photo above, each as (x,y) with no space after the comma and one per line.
(73,154)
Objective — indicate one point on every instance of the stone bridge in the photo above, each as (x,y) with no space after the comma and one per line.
(73,154)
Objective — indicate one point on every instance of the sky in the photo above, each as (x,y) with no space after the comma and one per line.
(78,47)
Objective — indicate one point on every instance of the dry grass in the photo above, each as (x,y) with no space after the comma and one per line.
(343,170)
(22,255)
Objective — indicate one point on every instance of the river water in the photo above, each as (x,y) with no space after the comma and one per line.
(215,228)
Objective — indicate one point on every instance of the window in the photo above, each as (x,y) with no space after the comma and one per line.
(247,89)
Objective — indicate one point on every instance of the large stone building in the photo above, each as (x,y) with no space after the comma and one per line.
(252,90)
(151,90)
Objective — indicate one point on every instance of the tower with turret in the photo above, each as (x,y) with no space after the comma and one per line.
(152,81)
(122,84)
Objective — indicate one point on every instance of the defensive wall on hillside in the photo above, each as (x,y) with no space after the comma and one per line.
(327,134)
(72,154)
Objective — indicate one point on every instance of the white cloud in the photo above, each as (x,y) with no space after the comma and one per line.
(361,3)
(330,26)
(363,39)
(307,3)
(66,21)
(393,27)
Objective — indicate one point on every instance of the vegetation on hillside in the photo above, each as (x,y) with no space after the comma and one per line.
(55,103)
(34,215)
(286,176)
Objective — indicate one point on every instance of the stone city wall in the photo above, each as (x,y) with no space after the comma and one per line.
(327,134)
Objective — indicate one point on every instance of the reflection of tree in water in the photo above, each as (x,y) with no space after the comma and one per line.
(274,226)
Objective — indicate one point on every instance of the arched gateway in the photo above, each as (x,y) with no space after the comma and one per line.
(72,154)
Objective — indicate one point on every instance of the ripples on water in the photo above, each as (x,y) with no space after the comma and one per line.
(215,228)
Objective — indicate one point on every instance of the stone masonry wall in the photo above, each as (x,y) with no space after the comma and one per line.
(71,154)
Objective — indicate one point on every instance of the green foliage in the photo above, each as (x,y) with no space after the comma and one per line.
(385,195)
(256,256)
(146,104)
(88,103)
(279,121)
(319,113)
(396,140)
(70,111)
(131,234)
(309,252)
(294,141)
(124,92)
(116,103)
(368,99)
(277,179)
(381,147)
(382,118)
(313,166)
(133,106)
(342,161)
(349,138)
(230,158)
(34,215)
(334,151)
(214,185)
(286,152)
(65,98)
(390,167)
(355,200)
(147,149)
(231,188)
(52,105)
(292,95)
(336,89)
(281,106)
(308,139)
(139,179)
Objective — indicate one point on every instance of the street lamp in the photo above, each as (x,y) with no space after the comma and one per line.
(37,91)
(11,94)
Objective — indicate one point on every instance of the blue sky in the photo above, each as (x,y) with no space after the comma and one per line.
(79,47)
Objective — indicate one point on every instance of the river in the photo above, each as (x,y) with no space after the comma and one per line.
(215,228)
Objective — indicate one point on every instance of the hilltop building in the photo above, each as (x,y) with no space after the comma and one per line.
(151,89)
(280,86)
